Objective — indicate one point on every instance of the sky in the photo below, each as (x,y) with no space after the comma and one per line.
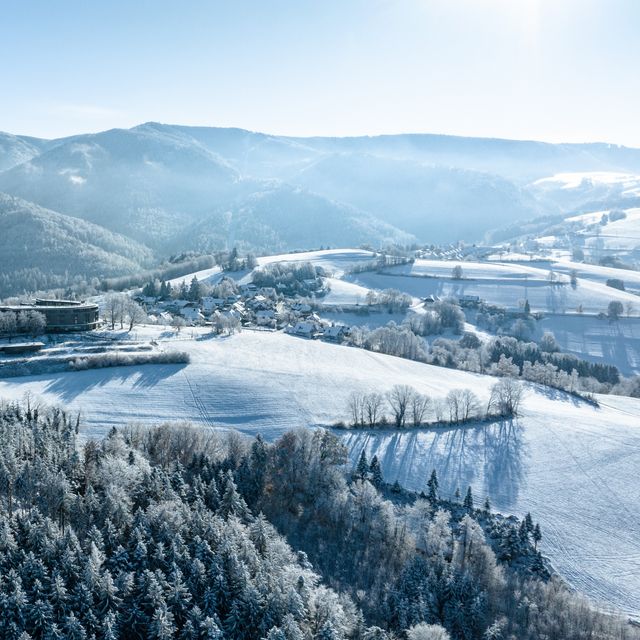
(552,70)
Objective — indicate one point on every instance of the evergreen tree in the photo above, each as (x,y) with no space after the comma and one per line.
(194,290)
(432,485)
(232,502)
(468,500)
(327,632)
(537,535)
(362,468)
(376,473)
(529,522)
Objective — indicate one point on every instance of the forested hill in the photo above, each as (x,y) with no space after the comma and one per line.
(173,533)
(42,249)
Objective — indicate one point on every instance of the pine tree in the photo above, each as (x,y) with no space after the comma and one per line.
(468,500)
(523,533)
(487,505)
(537,535)
(362,467)
(433,487)
(232,502)
(327,632)
(376,473)
(527,308)
(456,495)
(161,626)
(73,629)
(209,630)
(194,290)
(529,523)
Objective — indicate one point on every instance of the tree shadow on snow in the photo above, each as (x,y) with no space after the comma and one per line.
(492,453)
(70,385)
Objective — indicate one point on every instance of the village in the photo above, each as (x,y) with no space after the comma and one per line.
(245,306)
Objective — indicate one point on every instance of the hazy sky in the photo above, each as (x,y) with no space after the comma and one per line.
(557,70)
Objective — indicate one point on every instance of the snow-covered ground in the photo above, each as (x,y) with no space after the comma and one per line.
(627,183)
(210,276)
(344,293)
(507,285)
(597,273)
(596,339)
(573,466)
(335,261)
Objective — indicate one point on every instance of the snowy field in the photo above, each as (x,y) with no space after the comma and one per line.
(507,291)
(573,466)
(597,273)
(596,339)
(344,293)
(627,183)
(336,261)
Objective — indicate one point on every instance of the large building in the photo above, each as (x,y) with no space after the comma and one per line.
(62,315)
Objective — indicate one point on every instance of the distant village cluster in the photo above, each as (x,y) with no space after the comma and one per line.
(286,302)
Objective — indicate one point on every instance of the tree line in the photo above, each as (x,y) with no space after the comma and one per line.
(403,406)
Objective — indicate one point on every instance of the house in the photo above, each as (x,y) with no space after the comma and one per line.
(336,332)
(238,308)
(468,300)
(177,305)
(265,317)
(306,329)
(191,313)
(259,302)
(301,307)
(210,304)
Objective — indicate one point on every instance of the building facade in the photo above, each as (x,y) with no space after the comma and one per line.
(62,315)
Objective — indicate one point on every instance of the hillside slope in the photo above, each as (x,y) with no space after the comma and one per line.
(284,218)
(559,456)
(143,183)
(435,203)
(15,150)
(40,248)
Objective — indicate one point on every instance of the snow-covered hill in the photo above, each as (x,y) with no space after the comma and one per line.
(572,465)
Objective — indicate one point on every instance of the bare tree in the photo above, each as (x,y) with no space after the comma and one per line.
(373,403)
(114,308)
(505,399)
(469,404)
(463,404)
(399,398)
(419,405)
(135,314)
(439,408)
(356,408)
(177,323)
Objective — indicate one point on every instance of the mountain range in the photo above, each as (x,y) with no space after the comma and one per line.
(157,189)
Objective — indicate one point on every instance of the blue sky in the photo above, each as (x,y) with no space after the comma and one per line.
(557,70)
